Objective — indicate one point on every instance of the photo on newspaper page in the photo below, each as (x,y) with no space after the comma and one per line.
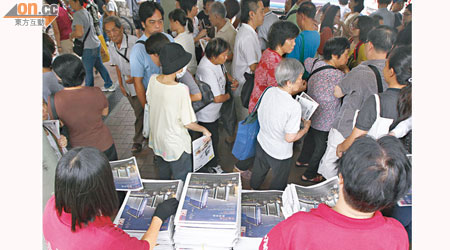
(308,105)
(310,197)
(202,152)
(126,174)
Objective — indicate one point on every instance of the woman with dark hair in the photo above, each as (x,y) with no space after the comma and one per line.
(83,27)
(81,108)
(390,103)
(404,37)
(211,71)
(281,41)
(356,6)
(79,215)
(178,23)
(331,17)
(360,28)
(323,78)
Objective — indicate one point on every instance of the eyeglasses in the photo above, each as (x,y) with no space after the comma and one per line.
(153,22)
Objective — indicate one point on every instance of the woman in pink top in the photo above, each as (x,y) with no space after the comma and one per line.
(281,40)
(79,215)
(62,29)
(332,17)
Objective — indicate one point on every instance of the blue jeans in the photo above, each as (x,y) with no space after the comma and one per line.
(91,58)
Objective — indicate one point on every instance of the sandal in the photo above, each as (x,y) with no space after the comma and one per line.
(317,179)
(137,147)
(301,165)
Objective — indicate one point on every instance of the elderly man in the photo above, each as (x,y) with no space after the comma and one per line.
(120,50)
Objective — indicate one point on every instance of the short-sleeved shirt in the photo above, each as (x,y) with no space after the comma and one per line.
(189,81)
(321,89)
(263,30)
(278,114)
(111,6)
(96,235)
(64,24)
(388,16)
(186,40)
(357,86)
(202,17)
(50,84)
(228,33)
(83,18)
(293,18)
(247,51)
(264,75)
(212,75)
(312,42)
(323,228)
(140,62)
(388,109)
(81,111)
(359,53)
(170,110)
(128,42)
(325,35)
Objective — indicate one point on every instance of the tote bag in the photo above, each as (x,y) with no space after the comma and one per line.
(381,125)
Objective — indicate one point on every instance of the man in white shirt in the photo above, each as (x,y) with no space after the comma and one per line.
(120,50)
(343,5)
(110,8)
(269,19)
(247,50)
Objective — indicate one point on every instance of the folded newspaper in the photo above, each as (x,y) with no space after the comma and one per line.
(208,216)
(203,152)
(308,105)
(299,198)
(126,174)
(261,211)
(137,210)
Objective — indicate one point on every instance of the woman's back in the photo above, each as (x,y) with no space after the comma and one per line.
(81,111)
(64,23)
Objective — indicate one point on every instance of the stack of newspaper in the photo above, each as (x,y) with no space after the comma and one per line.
(208,216)
(137,210)
(261,211)
(299,198)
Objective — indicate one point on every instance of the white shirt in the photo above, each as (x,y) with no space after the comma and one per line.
(344,10)
(247,51)
(124,66)
(263,30)
(213,75)
(111,6)
(186,40)
(278,114)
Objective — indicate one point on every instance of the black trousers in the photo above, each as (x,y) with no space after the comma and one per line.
(179,169)
(307,148)
(264,162)
(111,153)
(213,128)
(319,139)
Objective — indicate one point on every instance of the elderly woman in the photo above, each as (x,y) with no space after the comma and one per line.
(83,28)
(281,40)
(79,215)
(321,88)
(81,108)
(279,117)
(210,70)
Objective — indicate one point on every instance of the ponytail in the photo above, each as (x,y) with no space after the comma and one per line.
(190,25)
(180,16)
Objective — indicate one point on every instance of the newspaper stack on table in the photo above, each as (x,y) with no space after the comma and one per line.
(261,211)
(137,210)
(209,213)
(126,174)
(299,198)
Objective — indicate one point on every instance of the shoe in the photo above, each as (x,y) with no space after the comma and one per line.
(301,164)
(319,178)
(137,147)
(110,89)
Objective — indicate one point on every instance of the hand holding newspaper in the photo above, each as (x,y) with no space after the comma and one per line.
(308,105)
(203,152)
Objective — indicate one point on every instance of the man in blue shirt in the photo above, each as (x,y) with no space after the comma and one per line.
(142,67)
(308,41)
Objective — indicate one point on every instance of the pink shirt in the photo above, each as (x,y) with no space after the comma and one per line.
(99,234)
(64,24)
(324,228)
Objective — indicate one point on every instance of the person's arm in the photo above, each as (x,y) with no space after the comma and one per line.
(338,92)
(295,137)
(196,97)
(57,35)
(253,67)
(341,148)
(140,90)
(221,98)
(119,77)
(234,82)
(201,34)
(105,111)
(195,127)
(78,32)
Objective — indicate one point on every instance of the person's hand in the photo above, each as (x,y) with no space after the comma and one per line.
(165,209)
(129,80)
(207,134)
(59,50)
(339,150)
(122,89)
(202,33)
(62,141)
(344,68)
(304,85)
(234,84)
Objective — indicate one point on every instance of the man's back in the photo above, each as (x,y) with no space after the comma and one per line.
(324,228)
(388,16)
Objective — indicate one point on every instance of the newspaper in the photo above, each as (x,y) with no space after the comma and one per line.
(53,127)
(203,152)
(308,105)
(126,174)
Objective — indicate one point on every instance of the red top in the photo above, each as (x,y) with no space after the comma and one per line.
(325,35)
(264,75)
(99,234)
(64,24)
(324,228)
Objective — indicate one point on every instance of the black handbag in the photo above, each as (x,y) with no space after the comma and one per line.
(228,113)
(207,96)
(247,89)
(78,46)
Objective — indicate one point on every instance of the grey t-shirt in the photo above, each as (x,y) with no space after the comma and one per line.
(82,17)
(188,79)
(50,85)
(357,86)
(388,109)
(388,16)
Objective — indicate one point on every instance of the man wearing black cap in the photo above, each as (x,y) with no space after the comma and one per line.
(171,115)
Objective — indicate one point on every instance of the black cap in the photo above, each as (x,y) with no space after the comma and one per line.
(173,58)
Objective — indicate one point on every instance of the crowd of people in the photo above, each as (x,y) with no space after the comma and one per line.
(357,68)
